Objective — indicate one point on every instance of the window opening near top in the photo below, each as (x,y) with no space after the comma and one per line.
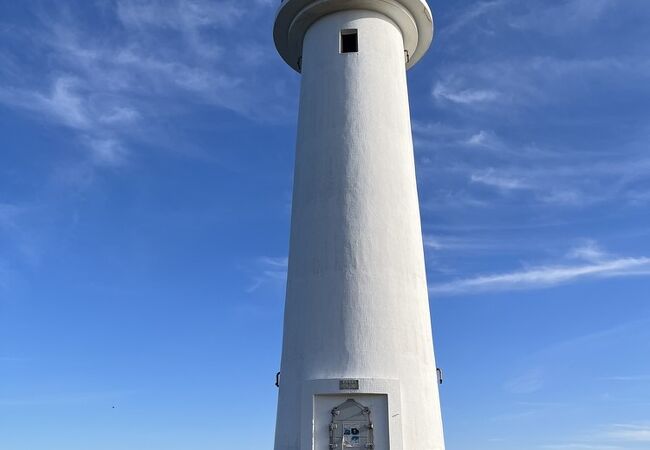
(349,41)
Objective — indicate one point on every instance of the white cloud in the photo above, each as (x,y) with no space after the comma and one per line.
(280,262)
(70,104)
(479,139)
(580,446)
(451,243)
(630,432)
(491,178)
(107,152)
(476,11)
(588,251)
(566,197)
(268,269)
(445,91)
(119,87)
(541,16)
(186,15)
(63,104)
(120,115)
(626,378)
(545,276)
(611,437)
(528,82)
(556,18)
(546,177)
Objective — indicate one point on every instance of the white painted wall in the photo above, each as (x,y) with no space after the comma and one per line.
(357,303)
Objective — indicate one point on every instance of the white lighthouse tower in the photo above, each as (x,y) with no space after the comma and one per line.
(358,368)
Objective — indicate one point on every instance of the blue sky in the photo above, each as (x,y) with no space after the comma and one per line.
(145,183)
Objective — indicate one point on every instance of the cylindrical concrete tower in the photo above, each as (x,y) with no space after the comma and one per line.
(358,369)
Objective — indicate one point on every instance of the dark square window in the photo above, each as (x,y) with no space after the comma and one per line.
(349,41)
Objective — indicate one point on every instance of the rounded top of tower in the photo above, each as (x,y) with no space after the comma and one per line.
(294,17)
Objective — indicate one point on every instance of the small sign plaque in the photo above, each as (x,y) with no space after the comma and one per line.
(349,385)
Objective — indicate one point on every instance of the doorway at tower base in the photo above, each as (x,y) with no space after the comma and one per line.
(336,418)
(352,424)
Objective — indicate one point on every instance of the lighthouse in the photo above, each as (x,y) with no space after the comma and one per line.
(358,367)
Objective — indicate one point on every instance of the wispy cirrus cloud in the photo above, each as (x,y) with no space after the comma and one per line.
(187,15)
(484,168)
(476,11)
(67,102)
(609,437)
(580,446)
(490,178)
(450,91)
(528,81)
(268,270)
(544,276)
(590,250)
(115,88)
(627,378)
(62,103)
(560,17)
(548,18)
(454,243)
(629,432)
